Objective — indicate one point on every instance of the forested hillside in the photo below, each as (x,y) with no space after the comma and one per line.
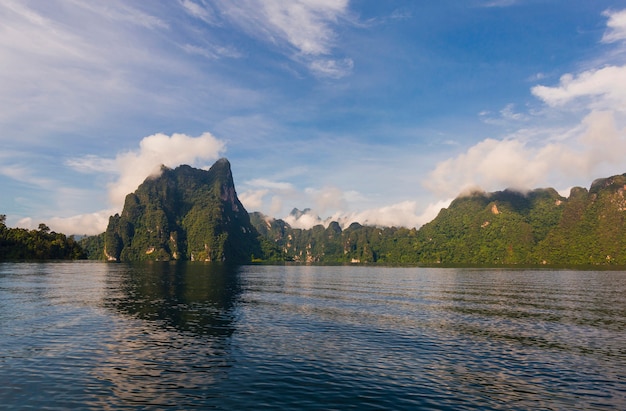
(592,229)
(504,227)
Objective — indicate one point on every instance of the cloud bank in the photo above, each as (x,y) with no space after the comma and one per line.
(331,203)
(570,156)
(404,214)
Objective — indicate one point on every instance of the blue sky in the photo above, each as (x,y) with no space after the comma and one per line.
(373,111)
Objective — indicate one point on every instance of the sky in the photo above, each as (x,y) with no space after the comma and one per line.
(379,112)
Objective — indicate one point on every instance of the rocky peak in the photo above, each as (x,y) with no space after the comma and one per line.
(184,213)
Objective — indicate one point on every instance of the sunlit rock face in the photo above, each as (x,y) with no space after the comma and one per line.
(183,214)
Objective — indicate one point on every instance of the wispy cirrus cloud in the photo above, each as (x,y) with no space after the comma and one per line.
(302,29)
(202,10)
(60,70)
(500,3)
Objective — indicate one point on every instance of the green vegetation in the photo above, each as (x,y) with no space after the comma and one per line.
(93,246)
(40,244)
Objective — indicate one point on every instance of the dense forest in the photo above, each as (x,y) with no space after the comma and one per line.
(40,244)
(189,214)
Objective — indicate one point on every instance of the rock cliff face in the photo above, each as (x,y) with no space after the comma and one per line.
(183,214)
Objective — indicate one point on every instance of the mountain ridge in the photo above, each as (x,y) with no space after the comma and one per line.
(509,227)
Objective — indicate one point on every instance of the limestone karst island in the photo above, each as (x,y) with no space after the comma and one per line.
(192,214)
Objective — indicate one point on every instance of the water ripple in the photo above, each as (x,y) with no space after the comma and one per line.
(114,336)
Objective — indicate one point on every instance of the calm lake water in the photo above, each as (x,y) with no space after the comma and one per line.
(182,336)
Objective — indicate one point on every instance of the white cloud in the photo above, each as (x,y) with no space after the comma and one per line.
(327,198)
(274,185)
(92,163)
(403,214)
(305,221)
(604,88)
(305,24)
(509,113)
(616,26)
(212,52)
(89,224)
(331,68)
(132,167)
(25,174)
(255,192)
(122,12)
(252,200)
(505,116)
(500,3)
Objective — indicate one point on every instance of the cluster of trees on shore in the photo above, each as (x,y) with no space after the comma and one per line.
(40,244)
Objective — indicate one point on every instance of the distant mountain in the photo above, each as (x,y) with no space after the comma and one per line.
(332,244)
(503,227)
(183,214)
(296,213)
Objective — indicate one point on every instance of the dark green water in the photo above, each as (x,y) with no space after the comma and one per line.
(164,336)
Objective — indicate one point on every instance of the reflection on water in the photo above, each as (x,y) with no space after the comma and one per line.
(178,345)
(183,336)
(192,298)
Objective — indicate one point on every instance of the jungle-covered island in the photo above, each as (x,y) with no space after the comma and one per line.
(192,214)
